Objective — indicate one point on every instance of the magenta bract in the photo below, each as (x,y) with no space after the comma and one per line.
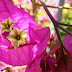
(42,63)
(21,18)
(68,44)
(34,66)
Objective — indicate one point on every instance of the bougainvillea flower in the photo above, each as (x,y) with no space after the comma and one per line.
(34,39)
(42,63)
(17,37)
(7,25)
(68,44)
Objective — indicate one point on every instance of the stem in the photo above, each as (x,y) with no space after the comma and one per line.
(59,7)
(64,24)
(58,35)
(53,20)
(66,31)
(34,8)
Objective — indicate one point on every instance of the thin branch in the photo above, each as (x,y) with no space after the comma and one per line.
(66,31)
(53,21)
(64,24)
(59,7)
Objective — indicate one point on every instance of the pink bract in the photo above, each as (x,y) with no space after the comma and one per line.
(21,18)
(33,65)
(37,39)
(41,63)
(68,44)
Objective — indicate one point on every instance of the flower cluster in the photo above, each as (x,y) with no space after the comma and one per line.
(20,40)
(22,43)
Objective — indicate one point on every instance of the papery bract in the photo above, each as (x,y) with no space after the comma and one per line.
(42,63)
(21,18)
(33,65)
(39,36)
(68,44)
